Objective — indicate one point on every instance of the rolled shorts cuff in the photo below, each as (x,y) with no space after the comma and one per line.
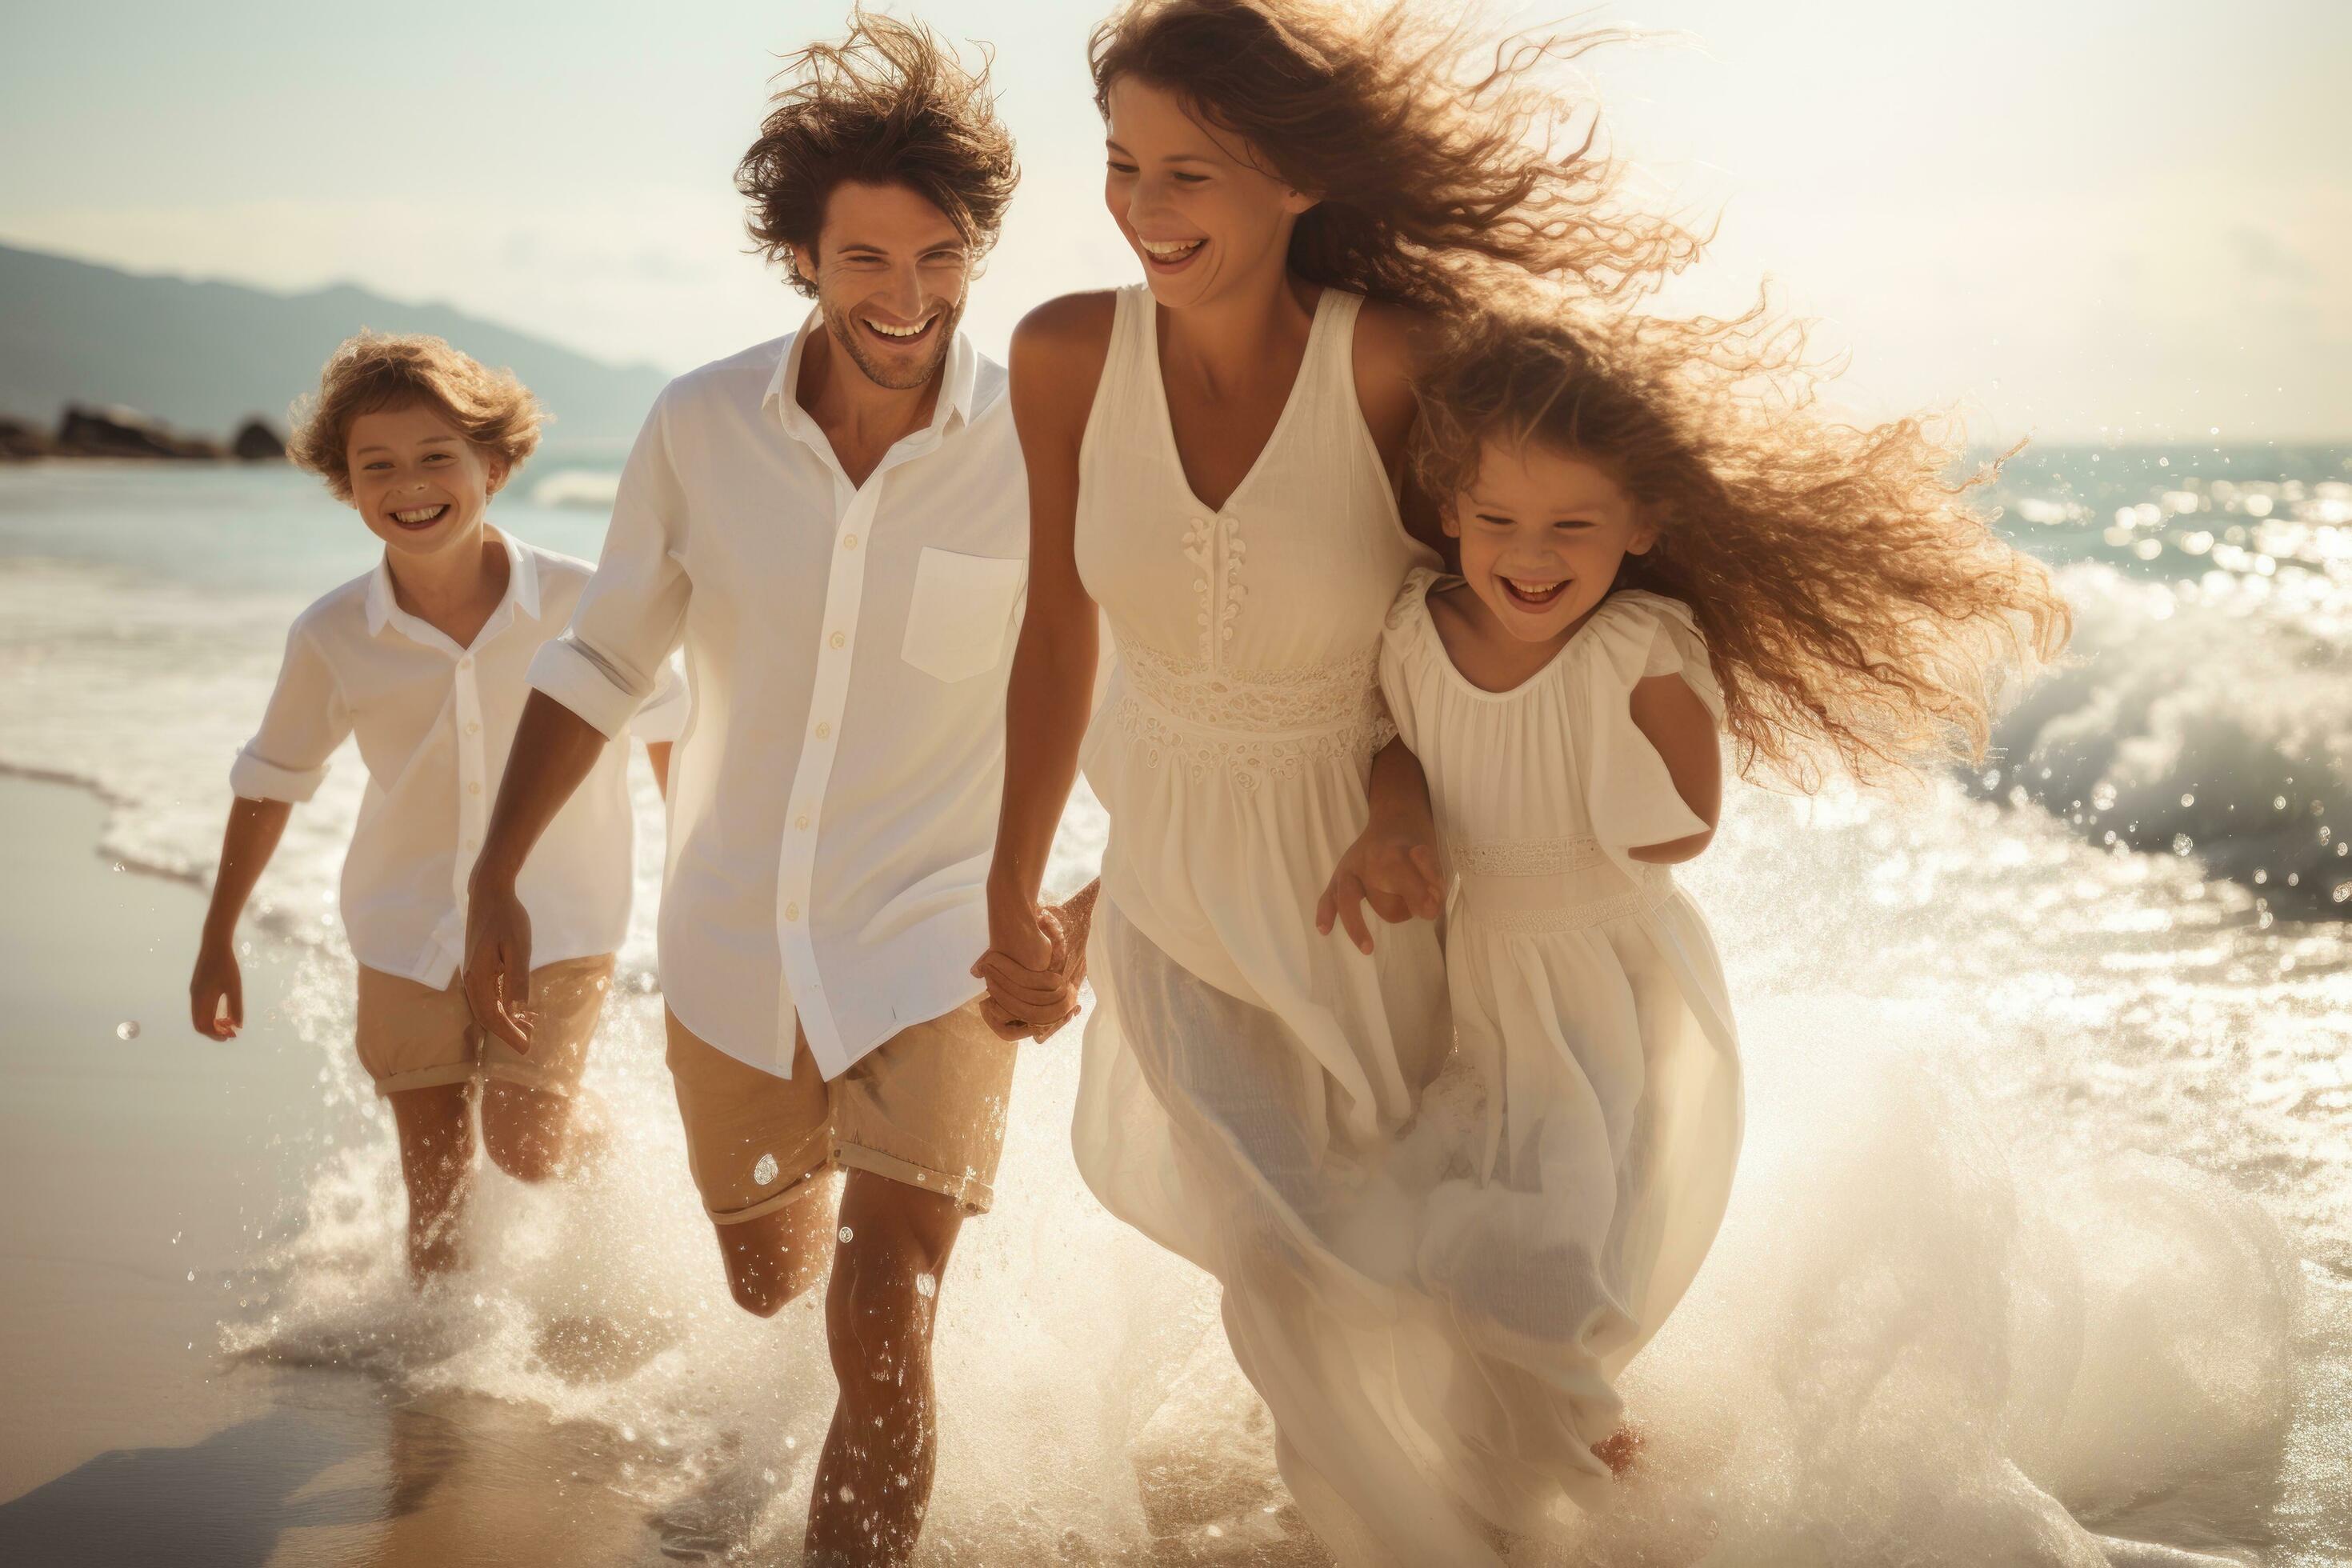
(776,1202)
(426,1078)
(969,1192)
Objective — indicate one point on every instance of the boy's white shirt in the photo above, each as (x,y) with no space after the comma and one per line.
(434,722)
(833,808)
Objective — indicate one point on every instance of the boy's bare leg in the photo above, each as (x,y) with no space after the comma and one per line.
(436,1159)
(772,1260)
(527,1132)
(874,1479)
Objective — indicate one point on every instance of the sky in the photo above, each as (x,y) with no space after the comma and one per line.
(2092,219)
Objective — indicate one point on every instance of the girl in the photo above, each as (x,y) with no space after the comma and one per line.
(1211,461)
(1652,547)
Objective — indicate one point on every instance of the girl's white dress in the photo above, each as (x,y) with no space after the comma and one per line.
(1590,1008)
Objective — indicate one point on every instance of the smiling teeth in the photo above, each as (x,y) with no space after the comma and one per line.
(426,515)
(1170,249)
(1534,590)
(914,331)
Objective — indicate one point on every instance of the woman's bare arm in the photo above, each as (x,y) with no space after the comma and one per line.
(1058,351)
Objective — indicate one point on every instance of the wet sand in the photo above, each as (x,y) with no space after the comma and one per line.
(136,1177)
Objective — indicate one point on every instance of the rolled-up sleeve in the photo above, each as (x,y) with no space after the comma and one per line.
(663,718)
(306,721)
(610,660)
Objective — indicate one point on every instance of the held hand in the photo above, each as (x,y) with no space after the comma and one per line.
(497,965)
(216,993)
(1032,970)
(1396,872)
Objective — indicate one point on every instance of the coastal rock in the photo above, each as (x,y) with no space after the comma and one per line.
(256,442)
(20,440)
(124,433)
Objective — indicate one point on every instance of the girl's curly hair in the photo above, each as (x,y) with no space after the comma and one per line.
(889,104)
(1857,606)
(1436,160)
(372,371)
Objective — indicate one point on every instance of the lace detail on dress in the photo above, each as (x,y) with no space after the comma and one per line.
(1535,885)
(1572,917)
(1254,726)
(1216,550)
(1529,858)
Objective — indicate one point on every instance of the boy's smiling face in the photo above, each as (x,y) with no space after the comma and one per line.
(419,483)
(1543,533)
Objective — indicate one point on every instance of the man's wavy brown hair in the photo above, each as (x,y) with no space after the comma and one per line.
(372,371)
(889,104)
(1857,606)
(1436,158)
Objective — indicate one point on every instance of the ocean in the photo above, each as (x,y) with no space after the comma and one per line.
(2042,1247)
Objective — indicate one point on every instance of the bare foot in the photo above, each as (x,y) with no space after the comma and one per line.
(1619,1450)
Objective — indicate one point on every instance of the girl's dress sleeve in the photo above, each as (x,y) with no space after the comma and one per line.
(1630,795)
(1402,649)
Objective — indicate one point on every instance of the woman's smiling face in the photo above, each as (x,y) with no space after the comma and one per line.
(1543,533)
(1199,214)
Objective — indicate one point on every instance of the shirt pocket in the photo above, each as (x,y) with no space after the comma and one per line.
(961,612)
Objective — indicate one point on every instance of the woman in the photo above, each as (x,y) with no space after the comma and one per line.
(1211,461)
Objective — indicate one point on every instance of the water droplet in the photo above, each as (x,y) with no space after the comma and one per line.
(926,1287)
(847,1495)
(846,1234)
(765,1170)
(192,1275)
(127,1030)
(477,1297)
(768,1477)
(791,1442)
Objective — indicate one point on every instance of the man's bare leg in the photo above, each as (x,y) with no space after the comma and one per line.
(772,1260)
(874,1479)
(437,1164)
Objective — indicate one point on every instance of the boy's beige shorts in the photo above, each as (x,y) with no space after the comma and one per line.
(926,1106)
(413,1036)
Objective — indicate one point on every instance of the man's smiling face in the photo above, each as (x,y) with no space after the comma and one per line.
(891,272)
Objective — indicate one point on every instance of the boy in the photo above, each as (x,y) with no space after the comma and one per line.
(424,659)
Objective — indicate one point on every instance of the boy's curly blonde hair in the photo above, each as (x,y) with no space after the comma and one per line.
(1858,608)
(372,371)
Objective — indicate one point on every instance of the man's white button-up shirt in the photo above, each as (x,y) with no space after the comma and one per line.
(434,722)
(833,807)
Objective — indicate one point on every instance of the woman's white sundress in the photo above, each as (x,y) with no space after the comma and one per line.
(1244,1077)
(1590,1008)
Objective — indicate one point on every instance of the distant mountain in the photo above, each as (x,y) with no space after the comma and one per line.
(203,357)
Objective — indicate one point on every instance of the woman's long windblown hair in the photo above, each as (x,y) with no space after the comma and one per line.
(1858,606)
(1436,158)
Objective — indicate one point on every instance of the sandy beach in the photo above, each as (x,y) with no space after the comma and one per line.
(137,1176)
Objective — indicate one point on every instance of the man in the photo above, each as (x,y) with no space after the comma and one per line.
(835,523)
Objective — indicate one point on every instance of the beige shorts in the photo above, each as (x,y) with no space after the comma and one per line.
(926,1106)
(413,1036)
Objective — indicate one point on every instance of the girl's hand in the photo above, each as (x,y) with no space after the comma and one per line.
(217,991)
(1031,969)
(1390,866)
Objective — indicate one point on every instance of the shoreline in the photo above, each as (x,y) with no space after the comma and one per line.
(138,1176)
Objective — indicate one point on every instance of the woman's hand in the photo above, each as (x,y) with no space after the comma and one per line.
(1392,867)
(1032,968)
(216,991)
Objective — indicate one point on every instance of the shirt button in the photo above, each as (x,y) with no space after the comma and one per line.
(473,844)
(802,823)
(824,732)
(473,727)
(791,912)
(467,662)
(840,639)
(849,541)
(473,786)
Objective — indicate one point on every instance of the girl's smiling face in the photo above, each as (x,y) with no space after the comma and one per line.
(419,483)
(1543,533)
(1198,212)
